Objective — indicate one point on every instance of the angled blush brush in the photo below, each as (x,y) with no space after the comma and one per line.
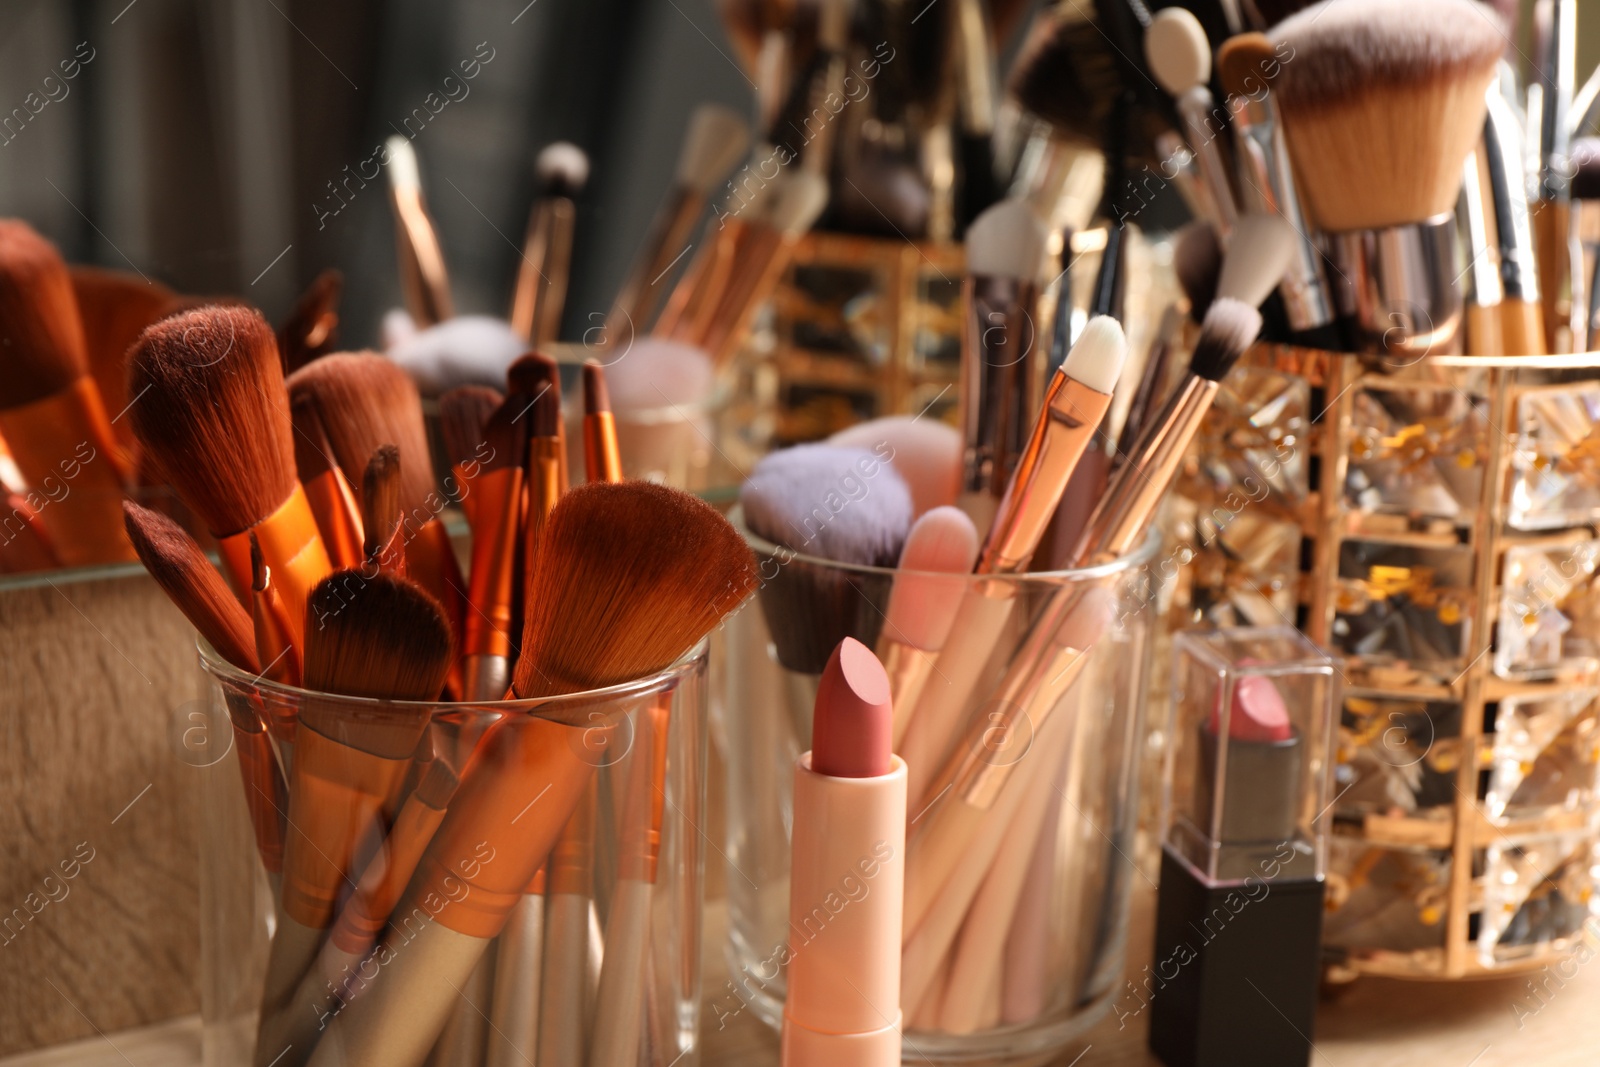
(51,413)
(423,277)
(333,502)
(629,577)
(213,415)
(541,290)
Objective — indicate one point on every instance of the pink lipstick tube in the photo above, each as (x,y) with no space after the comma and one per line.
(847,877)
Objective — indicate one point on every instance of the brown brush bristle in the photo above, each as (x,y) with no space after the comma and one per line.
(366,401)
(629,576)
(187,577)
(41,336)
(115,307)
(313,453)
(1065,75)
(1381,102)
(258,566)
(312,328)
(208,404)
(463,416)
(533,374)
(596,397)
(1246,65)
(506,435)
(380,498)
(438,785)
(375,636)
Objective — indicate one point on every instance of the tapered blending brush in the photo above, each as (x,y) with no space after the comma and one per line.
(115,307)
(182,571)
(51,414)
(464,414)
(715,141)
(384,546)
(366,401)
(1179,56)
(999,364)
(629,577)
(213,415)
(312,328)
(1075,405)
(1521,310)
(541,292)
(328,491)
(423,277)
(1381,105)
(379,637)
(487,627)
(1246,68)
(938,556)
(275,643)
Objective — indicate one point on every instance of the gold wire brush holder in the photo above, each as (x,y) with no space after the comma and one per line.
(1438,525)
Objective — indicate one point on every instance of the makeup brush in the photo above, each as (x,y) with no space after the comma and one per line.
(379,637)
(487,629)
(1179,57)
(333,501)
(465,350)
(629,577)
(716,139)
(661,396)
(115,306)
(1005,249)
(1259,252)
(383,548)
(366,401)
(1559,256)
(312,328)
(938,556)
(1521,314)
(841,504)
(464,414)
(537,378)
(1482,288)
(602,457)
(1075,404)
(1246,67)
(541,291)
(213,416)
(520,960)
(275,647)
(565,1001)
(51,413)
(925,451)
(1381,105)
(182,571)
(1197,261)
(423,277)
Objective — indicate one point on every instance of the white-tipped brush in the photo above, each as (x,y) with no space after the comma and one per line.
(467,350)
(1179,56)
(1259,252)
(423,277)
(540,296)
(1006,241)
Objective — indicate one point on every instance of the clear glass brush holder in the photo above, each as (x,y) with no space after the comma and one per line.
(1057,924)
(604,938)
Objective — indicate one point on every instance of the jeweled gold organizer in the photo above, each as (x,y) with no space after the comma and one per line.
(1437,524)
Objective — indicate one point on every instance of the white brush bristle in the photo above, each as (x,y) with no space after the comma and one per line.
(1258,253)
(844,504)
(465,350)
(717,139)
(925,451)
(1177,51)
(800,199)
(1006,241)
(403,170)
(656,374)
(923,605)
(1096,359)
(562,166)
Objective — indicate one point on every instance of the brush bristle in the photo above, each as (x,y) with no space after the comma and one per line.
(1197,261)
(366,401)
(925,451)
(843,504)
(313,454)
(922,606)
(403,170)
(562,169)
(1585,160)
(210,407)
(258,566)
(115,307)
(464,414)
(1229,328)
(312,328)
(377,636)
(1246,65)
(506,435)
(182,571)
(1065,75)
(629,576)
(42,348)
(1006,241)
(800,200)
(380,498)
(1381,103)
(1096,359)
(1258,253)
(717,139)
(660,374)
(1177,51)
(596,397)
(1273,12)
